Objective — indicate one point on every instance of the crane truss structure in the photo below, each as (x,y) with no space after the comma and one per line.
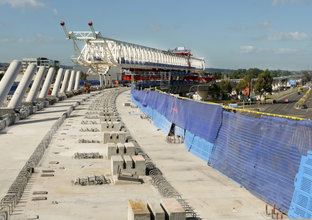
(100,53)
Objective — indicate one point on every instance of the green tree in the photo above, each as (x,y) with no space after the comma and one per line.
(226,88)
(264,83)
(240,86)
(218,75)
(306,76)
(214,91)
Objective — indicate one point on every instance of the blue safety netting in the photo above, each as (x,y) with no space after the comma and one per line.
(201,119)
(301,204)
(198,146)
(263,154)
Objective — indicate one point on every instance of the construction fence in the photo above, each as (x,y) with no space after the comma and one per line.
(264,155)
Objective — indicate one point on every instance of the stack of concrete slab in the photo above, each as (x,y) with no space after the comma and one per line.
(134,165)
(168,209)
(120,149)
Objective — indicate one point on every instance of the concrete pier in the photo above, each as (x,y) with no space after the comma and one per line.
(57,83)
(77,81)
(65,82)
(22,86)
(71,81)
(101,80)
(32,95)
(47,84)
(8,79)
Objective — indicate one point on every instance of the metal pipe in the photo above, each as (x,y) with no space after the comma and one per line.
(57,83)
(32,95)
(8,79)
(77,83)
(22,86)
(47,83)
(71,81)
(65,81)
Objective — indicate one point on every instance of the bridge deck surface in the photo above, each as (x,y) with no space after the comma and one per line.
(213,195)
(18,142)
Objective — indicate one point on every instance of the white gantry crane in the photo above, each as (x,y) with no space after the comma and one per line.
(100,53)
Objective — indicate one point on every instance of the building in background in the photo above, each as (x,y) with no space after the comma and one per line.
(40,61)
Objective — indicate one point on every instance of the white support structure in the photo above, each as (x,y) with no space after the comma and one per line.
(110,81)
(77,81)
(47,84)
(65,81)
(101,79)
(57,83)
(8,79)
(105,81)
(100,53)
(71,81)
(32,95)
(22,86)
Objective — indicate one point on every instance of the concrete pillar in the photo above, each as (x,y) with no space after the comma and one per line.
(105,80)
(8,79)
(65,81)
(71,81)
(101,80)
(22,86)
(32,95)
(77,82)
(57,83)
(47,84)
(110,81)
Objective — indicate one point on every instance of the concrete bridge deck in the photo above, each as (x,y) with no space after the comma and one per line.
(212,195)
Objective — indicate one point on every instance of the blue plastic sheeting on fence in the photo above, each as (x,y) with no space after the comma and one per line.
(199,118)
(161,122)
(179,131)
(198,146)
(263,154)
(301,204)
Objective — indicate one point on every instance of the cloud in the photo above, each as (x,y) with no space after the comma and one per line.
(248,28)
(24,4)
(39,38)
(55,12)
(155,27)
(286,36)
(248,49)
(278,3)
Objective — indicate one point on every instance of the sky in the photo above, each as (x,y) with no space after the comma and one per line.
(233,34)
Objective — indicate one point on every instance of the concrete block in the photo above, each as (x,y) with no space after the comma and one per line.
(111,150)
(4,213)
(137,210)
(157,213)
(129,163)
(110,126)
(126,104)
(117,164)
(108,118)
(139,165)
(173,209)
(130,149)
(114,137)
(121,149)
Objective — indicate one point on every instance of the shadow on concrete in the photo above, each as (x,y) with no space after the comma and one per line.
(36,121)
(48,112)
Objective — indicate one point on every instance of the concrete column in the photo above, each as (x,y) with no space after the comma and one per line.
(65,81)
(77,82)
(57,83)
(22,86)
(8,79)
(71,81)
(110,81)
(47,83)
(105,80)
(32,95)
(101,80)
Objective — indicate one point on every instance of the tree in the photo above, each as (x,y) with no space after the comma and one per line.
(240,86)
(214,90)
(264,83)
(226,88)
(306,76)
(218,75)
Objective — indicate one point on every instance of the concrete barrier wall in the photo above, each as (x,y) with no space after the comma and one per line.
(263,155)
